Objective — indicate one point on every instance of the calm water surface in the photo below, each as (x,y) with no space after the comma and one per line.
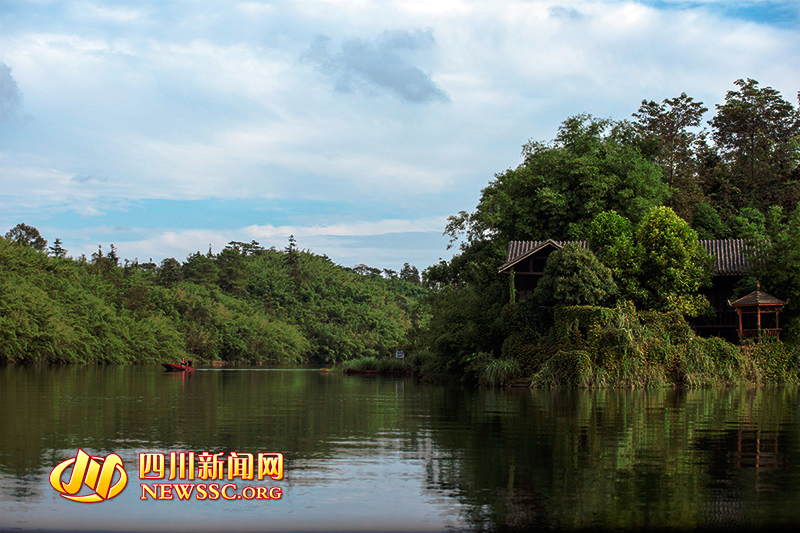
(379,453)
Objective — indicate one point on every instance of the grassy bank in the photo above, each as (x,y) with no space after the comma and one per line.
(620,347)
(387,366)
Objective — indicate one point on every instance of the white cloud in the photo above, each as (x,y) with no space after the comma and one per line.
(107,14)
(326,239)
(210,100)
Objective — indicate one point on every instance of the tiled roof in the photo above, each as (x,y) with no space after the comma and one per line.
(731,254)
(519,250)
(757,298)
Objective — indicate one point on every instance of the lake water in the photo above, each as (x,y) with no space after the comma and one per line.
(365,453)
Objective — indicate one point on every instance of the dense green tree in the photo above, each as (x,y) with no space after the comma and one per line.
(669,133)
(169,272)
(231,266)
(103,264)
(671,264)
(574,276)
(611,238)
(707,222)
(201,269)
(749,223)
(247,248)
(410,273)
(63,311)
(594,165)
(757,132)
(365,270)
(113,256)
(658,264)
(26,235)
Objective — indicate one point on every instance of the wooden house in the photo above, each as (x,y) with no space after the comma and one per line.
(525,261)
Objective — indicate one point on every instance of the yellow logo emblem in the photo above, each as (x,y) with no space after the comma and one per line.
(97,473)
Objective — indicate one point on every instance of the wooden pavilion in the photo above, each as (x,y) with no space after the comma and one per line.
(765,307)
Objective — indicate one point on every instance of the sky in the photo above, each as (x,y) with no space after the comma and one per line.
(165,127)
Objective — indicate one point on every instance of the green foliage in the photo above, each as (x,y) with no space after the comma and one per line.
(595,347)
(57,250)
(659,264)
(777,361)
(756,131)
(381,365)
(25,235)
(593,166)
(170,272)
(631,191)
(201,269)
(672,266)
(668,132)
(410,273)
(777,264)
(707,222)
(244,305)
(611,238)
(574,276)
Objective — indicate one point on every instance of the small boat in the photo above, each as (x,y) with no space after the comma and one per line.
(172,367)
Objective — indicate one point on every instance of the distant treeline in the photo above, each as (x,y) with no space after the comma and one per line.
(244,304)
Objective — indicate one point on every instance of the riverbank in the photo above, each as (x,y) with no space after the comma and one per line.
(620,347)
(384,366)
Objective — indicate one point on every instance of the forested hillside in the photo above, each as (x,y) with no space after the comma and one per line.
(245,304)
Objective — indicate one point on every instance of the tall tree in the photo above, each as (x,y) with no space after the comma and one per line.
(410,273)
(200,269)
(26,235)
(170,272)
(594,165)
(57,250)
(758,134)
(669,133)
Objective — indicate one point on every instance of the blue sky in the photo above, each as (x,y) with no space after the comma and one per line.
(358,126)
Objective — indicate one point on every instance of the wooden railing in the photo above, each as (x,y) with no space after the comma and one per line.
(756,333)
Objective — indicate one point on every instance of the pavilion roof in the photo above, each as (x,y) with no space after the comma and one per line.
(757,298)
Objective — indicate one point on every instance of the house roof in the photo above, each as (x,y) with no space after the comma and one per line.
(520,250)
(731,254)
